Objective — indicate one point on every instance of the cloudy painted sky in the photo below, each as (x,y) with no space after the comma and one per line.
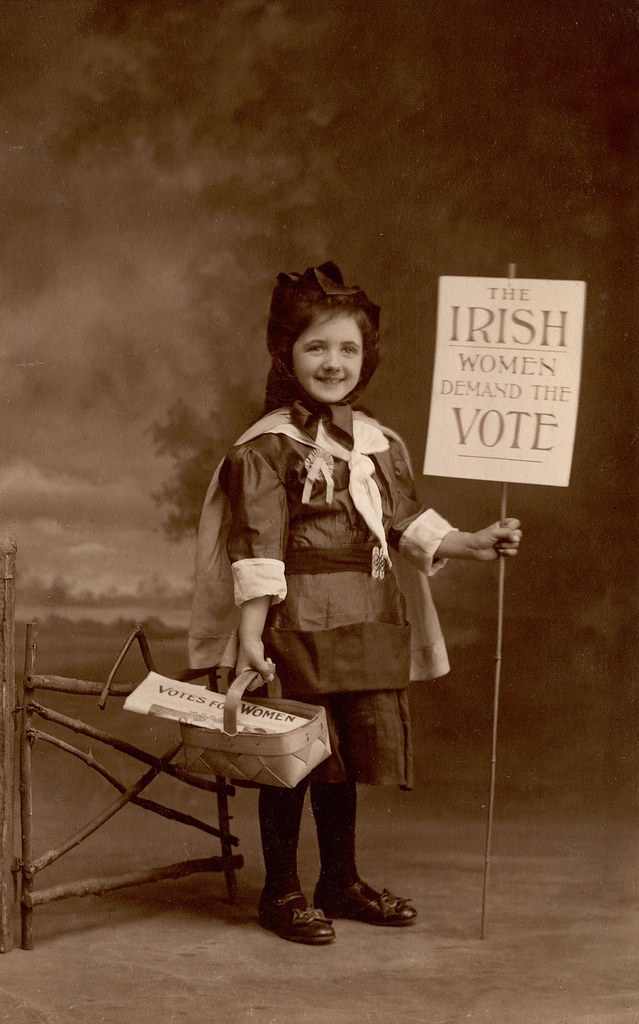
(162,161)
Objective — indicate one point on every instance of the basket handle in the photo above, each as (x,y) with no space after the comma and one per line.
(236,692)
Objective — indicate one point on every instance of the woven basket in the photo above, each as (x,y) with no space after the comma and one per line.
(275,759)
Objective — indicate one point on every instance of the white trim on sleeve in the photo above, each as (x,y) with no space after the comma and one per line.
(258,577)
(420,541)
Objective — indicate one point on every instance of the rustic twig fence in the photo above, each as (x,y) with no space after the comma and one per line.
(18,876)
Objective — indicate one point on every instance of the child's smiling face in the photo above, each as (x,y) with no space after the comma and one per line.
(327,358)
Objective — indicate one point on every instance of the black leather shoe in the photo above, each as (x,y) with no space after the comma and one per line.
(291,918)
(359,902)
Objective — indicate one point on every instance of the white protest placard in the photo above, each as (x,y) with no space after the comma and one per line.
(506,379)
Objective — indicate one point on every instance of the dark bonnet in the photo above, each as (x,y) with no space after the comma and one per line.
(298,300)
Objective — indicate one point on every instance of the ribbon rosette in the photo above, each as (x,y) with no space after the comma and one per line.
(318,463)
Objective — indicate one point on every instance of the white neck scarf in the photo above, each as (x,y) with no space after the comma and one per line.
(362,487)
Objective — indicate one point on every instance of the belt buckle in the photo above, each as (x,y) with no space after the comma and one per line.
(378,564)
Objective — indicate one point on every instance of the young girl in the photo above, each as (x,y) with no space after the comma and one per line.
(299,522)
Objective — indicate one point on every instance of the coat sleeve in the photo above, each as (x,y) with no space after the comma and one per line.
(416,532)
(258,530)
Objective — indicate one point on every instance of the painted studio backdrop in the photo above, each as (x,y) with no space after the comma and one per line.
(163,161)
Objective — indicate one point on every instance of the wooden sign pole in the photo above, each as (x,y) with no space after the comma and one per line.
(493,757)
(512,273)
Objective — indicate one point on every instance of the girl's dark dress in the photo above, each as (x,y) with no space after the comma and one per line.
(340,637)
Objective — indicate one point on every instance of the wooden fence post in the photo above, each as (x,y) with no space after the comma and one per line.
(7,740)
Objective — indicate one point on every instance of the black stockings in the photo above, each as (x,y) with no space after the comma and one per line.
(280,820)
(334,809)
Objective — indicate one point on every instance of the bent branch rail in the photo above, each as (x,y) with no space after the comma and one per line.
(98,886)
(138,635)
(150,805)
(125,748)
(81,687)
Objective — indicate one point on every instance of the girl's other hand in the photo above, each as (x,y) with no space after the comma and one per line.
(252,657)
(501,538)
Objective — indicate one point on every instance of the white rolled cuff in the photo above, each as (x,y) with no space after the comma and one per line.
(420,541)
(258,577)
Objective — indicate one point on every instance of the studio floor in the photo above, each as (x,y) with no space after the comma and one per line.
(561,943)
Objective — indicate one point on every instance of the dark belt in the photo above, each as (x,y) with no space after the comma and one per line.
(354,558)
